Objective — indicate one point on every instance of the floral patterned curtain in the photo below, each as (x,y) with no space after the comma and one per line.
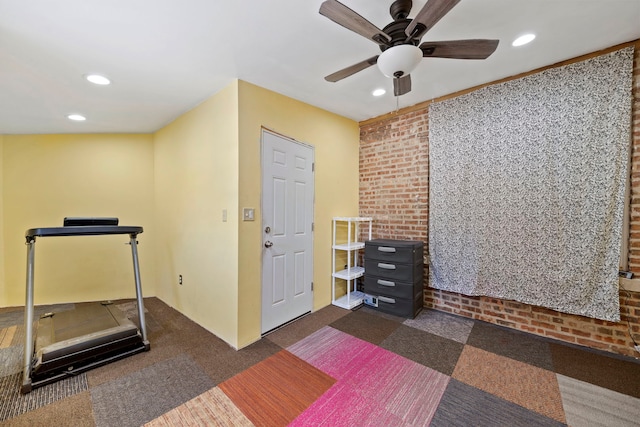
(527,183)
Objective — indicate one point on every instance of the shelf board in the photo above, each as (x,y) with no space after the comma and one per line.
(351,274)
(352,218)
(350,301)
(349,246)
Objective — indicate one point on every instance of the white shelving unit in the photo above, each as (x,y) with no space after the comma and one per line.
(350,247)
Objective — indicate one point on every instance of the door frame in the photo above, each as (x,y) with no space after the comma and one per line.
(264,130)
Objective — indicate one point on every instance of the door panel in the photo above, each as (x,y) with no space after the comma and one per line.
(279,206)
(278,279)
(300,216)
(287,206)
(299,258)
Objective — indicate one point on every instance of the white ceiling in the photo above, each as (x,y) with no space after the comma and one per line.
(167,56)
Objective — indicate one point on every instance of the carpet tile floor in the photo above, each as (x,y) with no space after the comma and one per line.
(425,348)
(587,404)
(333,367)
(442,324)
(525,385)
(374,386)
(276,390)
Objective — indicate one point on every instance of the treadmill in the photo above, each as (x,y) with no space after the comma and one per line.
(70,342)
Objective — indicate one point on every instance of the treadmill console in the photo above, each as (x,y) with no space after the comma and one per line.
(88,221)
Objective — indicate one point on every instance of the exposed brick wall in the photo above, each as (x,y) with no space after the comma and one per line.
(394,176)
(634,234)
(394,187)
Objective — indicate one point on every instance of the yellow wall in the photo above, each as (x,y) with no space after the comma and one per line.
(176,183)
(2,284)
(196,178)
(336,143)
(48,177)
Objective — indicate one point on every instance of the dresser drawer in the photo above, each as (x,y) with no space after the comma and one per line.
(393,271)
(403,307)
(382,286)
(401,251)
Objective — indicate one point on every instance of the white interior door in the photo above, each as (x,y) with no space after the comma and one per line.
(287,229)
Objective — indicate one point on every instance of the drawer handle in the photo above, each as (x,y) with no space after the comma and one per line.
(387,300)
(385,283)
(386,266)
(387,249)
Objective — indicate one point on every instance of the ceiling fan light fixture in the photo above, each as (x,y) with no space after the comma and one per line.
(398,61)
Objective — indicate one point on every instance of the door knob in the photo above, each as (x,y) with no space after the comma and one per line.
(268,244)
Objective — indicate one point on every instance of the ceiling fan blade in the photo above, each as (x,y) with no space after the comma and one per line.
(402,85)
(460,49)
(429,15)
(352,69)
(349,19)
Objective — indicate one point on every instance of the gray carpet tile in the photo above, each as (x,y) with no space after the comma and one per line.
(589,405)
(368,326)
(18,335)
(73,411)
(222,362)
(13,403)
(163,313)
(442,324)
(463,405)
(516,345)
(131,364)
(305,326)
(5,310)
(425,348)
(605,370)
(146,394)
(11,360)
(13,316)
(183,330)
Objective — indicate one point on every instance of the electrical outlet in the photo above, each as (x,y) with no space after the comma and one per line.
(180,279)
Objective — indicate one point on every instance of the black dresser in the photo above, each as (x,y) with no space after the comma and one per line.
(393,276)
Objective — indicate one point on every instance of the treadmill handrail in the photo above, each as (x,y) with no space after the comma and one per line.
(31,234)
(89,230)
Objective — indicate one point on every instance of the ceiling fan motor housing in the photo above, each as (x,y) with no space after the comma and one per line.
(395,30)
(400,9)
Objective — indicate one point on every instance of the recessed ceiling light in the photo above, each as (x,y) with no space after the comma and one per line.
(97,79)
(76,117)
(523,40)
(379,92)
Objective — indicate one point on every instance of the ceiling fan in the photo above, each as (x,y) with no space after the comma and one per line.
(400,40)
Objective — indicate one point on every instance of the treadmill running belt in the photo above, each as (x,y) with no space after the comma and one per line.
(77,336)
